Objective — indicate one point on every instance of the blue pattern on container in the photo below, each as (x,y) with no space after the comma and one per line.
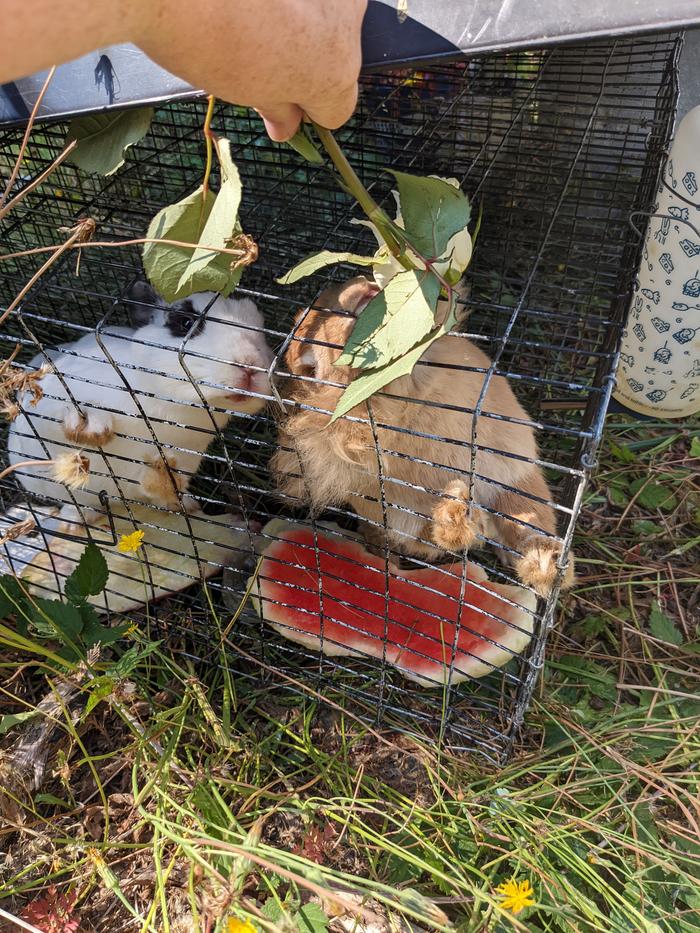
(691,185)
(663,355)
(666,262)
(692,287)
(689,248)
(658,395)
(685,334)
(666,295)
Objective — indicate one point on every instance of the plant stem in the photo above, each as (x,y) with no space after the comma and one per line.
(373,211)
(72,239)
(209,140)
(24,463)
(25,139)
(40,179)
(236,253)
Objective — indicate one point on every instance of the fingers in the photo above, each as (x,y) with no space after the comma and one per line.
(332,112)
(281,121)
(330,96)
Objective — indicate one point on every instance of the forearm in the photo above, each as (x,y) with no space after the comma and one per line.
(283,57)
(39,33)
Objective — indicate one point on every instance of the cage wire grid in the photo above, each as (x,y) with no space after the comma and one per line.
(558,146)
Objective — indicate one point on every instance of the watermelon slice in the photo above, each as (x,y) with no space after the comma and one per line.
(337,602)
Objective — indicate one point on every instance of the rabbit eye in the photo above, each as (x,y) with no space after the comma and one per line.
(179,323)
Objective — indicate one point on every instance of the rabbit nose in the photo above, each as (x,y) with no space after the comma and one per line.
(242,383)
(247,376)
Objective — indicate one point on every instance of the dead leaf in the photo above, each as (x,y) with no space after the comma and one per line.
(317,843)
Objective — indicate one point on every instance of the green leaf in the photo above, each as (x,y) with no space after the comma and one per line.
(311,919)
(104,138)
(132,657)
(643,527)
(207,269)
(11,595)
(618,494)
(53,800)
(622,453)
(54,619)
(318,261)
(477,225)
(398,871)
(93,630)
(393,322)
(653,495)
(90,576)
(272,910)
(165,265)
(433,212)
(695,448)
(594,677)
(372,380)
(100,689)
(302,143)
(10,720)
(662,627)
(593,625)
(212,221)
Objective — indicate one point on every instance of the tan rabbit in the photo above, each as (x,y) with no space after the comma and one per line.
(423,424)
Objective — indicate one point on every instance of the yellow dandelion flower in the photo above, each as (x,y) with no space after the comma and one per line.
(234,925)
(73,470)
(132,630)
(129,544)
(517,895)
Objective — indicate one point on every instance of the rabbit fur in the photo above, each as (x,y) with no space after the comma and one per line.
(144,446)
(428,417)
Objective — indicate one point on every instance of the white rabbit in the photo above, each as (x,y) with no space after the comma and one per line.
(149,459)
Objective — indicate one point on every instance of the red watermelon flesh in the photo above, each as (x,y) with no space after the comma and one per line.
(347,613)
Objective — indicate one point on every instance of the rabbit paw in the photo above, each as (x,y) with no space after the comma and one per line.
(163,485)
(451,528)
(538,569)
(89,429)
(375,539)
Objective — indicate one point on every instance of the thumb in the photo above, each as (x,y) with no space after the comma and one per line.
(330,113)
(281,121)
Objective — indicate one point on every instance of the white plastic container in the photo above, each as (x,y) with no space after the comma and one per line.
(659,372)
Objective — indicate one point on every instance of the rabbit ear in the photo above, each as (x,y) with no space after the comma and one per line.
(356,294)
(142,300)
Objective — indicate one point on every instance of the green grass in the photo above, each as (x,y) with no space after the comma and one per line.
(177,799)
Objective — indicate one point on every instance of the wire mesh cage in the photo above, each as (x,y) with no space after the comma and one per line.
(178,408)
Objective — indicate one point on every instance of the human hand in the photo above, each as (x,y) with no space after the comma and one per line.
(285,58)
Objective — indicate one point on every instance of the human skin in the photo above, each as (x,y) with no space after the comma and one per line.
(285,58)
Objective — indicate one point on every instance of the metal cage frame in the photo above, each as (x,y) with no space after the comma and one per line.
(561,147)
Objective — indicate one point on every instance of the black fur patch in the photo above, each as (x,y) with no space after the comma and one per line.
(180,319)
